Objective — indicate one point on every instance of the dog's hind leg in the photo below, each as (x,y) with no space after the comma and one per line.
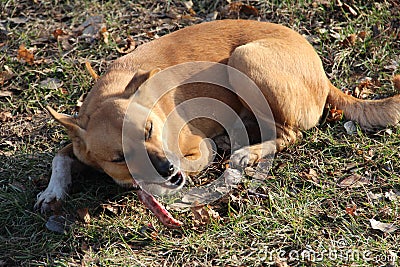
(59,181)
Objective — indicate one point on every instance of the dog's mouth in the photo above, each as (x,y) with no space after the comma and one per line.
(168,185)
(177,179)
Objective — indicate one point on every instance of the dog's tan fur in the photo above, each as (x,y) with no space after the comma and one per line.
(280,61)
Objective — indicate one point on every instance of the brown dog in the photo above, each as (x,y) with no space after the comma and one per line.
(281,63)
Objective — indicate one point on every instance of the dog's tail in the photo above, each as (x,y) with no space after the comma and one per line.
(370,114)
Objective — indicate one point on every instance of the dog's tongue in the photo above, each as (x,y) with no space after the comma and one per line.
(158,209)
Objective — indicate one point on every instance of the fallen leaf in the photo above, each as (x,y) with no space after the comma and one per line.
(91,28)
(58,32)
(84,246)
(237,8)
(64,41)
(249,10)
(51,83)
(25,54)
(212,16)
(384,227)
(374,196)
(84,214)
(396,82)
(349,40)
(334,115)
(350,127)
(188,4)
(203,215)
(365,87)
(58,224)
(351,210)
(280,262)
(105,34)
(354,181)
(91,70)
(362,35)
(5,116)
(129,47)
(312,176)
(392,195)
(5,75)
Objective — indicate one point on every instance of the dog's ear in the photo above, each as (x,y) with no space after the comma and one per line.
(68,122)
(140,77)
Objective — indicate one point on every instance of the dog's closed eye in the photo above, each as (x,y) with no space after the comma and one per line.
(120,158)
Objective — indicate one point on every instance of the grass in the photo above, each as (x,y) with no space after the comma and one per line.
(291,216)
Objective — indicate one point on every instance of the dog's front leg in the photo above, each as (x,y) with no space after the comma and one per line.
(59,181)
(250,155)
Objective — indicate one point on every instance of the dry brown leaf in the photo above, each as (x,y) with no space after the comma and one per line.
(334,115)
(91,71)
(352,210)
(349,40)
(249,10)
(203,215)
(280,262)
(84,214)
(237,8)
(384,227)
(311,176)
(365,87)
(58,32)
(354,181)
(362,35)
(5,75)
(25,54)
(64,40)
(5,116)
(396,82)
(105,34)
(129,47)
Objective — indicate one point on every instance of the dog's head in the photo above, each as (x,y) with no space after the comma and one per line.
(98,136)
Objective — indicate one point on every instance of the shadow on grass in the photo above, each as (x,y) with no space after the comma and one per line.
(24,238)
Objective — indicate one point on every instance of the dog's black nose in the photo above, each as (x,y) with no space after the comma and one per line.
(163,166)
(166,169)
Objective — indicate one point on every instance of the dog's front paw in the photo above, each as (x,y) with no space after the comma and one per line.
(46,198)
(242,158)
